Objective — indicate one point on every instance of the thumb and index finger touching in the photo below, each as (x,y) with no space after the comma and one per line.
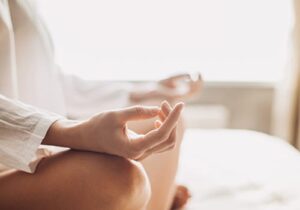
(162,133)
(138,113)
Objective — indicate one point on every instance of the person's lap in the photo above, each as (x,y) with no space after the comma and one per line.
(76,180)
(161,169)
(63,172)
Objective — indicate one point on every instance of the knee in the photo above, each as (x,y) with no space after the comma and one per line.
(108,182)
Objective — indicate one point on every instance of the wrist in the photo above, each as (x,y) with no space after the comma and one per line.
(63,133)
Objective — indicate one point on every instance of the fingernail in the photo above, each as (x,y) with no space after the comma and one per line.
(154,109)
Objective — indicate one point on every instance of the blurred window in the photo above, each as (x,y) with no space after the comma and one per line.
(227,40)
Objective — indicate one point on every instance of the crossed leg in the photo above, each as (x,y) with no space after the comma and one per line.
(77,180)
(86,180)
(161,169)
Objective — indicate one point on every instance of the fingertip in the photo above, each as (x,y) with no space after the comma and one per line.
(168,106)
(157,123)
(163,103)
(166,109)
(155,110)
(179,106)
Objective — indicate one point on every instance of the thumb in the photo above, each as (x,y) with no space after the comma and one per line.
(138,113)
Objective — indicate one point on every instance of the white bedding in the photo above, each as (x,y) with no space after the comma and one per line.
(239,170)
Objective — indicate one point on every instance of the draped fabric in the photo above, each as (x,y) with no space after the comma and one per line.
(296,127)
(287,99)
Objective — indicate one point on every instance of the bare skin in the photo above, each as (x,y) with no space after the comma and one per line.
(162,168)
(75,180)
(92,179)
(177,87)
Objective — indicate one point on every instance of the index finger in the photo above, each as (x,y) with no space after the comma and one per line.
(188,76)
(172,119)
(161,134)
(180,76)
(138,113)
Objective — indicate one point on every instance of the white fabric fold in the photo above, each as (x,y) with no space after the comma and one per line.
(28,73)
(22,129)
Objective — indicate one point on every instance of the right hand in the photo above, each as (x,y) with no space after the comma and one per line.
(107,132)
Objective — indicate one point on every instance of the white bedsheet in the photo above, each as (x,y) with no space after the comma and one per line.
(239,170)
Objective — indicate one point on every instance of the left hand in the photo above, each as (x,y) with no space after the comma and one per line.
(178,87)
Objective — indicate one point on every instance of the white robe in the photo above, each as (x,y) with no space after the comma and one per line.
(29,74)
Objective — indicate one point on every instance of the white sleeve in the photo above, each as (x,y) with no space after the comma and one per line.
(84,98)
(22,129)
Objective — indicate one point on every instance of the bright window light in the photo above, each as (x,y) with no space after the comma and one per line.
(226,40)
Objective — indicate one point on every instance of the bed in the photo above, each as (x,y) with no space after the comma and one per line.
(239,170)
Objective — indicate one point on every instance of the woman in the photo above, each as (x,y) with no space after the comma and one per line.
(99,171)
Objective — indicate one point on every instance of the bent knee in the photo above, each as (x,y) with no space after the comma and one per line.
(105,181)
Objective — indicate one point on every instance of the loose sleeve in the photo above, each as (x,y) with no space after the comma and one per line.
(22,129)
(84,98)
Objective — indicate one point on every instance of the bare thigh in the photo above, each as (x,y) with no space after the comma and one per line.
(161,169)
(76,180)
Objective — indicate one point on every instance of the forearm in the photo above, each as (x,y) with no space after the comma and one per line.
(25,122)
(68,133)
(95,96)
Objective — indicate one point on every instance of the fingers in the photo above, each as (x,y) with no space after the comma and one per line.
(180,76)
(157,123)
(138,113)
(171,120)
(155,137)
(165,110)
(195,77)
(181,86)
(196,83)
(188,76)
(171,141)
(169,144)
(171,80)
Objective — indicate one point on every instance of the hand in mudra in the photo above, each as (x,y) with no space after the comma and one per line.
(108,131)
(178,87)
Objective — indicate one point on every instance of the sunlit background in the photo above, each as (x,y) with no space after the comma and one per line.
(248,52)
(226,40)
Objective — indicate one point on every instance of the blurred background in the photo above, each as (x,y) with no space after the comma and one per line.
(241,48)
(248,54)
